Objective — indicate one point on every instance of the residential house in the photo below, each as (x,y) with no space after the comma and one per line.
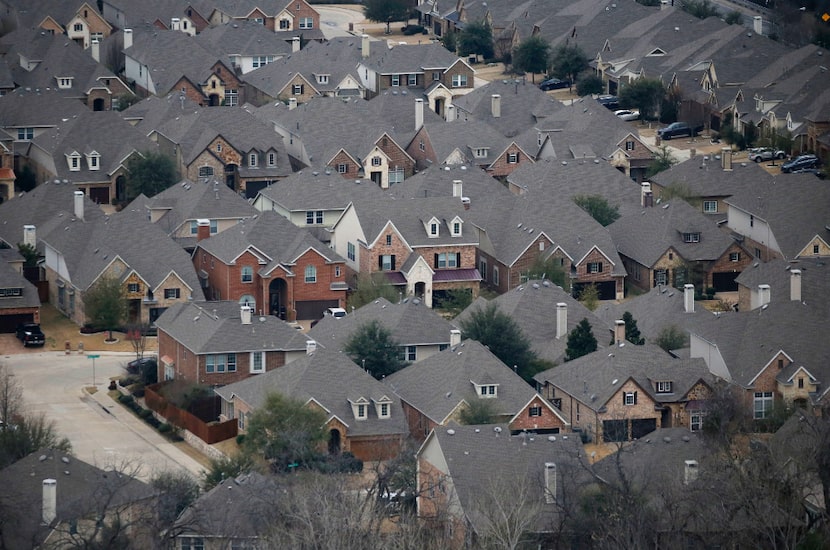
(429,67)
(674,244)
(803,281)
(465,143)
(91,152)
(363,416)
(628,391)
(295,276)
(248,44)
(178,209)
(546,315)
(218,343)
(79,20)
(19,301)
(51,498)
(425,248)
(296,15)
(7,175)
(436,391)
(82,246)
(186,17)
(419,331)
(226,145)
(467,473)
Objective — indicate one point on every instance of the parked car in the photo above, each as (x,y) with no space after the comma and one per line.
(554,84)
(625,114)
(336,312)
(800,162)
(137,366)
(820,174)
(760,154)
(609,101)
(676,129)
(30,334)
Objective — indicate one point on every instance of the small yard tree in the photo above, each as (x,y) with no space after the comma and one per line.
(632,333)
(589,296)
(386,11)
(671,337)
(568,61)
(598,207)
(589,84)
(373,348)
(581,341)
(105,304)
(532,56)
(663,160)
(646,94)
(150,174)
(477,411)
(476,38)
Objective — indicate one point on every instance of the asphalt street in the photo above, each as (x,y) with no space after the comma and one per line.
(101,431)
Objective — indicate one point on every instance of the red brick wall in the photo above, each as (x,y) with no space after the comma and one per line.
(99,94)
(325,276)
(504,274)
(397,156)
(527,259)
(375,448)
(458,68)
(193,93)
(414,149)
(352,168)
(273,360)
(548,419)
(501,168)
(725,265)
(369,258)
(468,255)
(419,425)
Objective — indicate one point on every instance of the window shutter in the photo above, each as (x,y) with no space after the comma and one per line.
(635,398)
(458,260)
(599,267)
(623,396)
(380,263)
(436,261)
(393,262)
(302,89)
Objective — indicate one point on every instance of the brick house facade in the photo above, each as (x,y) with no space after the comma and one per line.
(510,159)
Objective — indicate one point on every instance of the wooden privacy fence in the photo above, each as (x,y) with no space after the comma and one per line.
(205,428)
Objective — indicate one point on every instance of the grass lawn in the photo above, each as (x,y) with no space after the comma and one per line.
(59,330)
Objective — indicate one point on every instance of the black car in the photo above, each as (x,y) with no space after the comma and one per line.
(30,334)
(554,84)
(676,129)
(799,163)
(609,102)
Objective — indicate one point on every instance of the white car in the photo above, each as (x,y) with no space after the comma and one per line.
(336,312)
(625,114)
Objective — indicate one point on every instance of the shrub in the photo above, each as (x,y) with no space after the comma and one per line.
(139,391)
(409,30)
(165,428)
(145,413)
(153,421)
(126,399)
(240,439)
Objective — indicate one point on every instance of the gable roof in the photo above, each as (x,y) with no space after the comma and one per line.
(409,58)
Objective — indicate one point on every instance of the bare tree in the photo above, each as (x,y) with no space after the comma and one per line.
(137,335)
(11,398)
(508,512)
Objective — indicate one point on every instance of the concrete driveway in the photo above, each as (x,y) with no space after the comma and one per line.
(101,431)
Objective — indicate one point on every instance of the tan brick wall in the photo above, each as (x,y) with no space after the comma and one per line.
(414,149)
(397,156)
(458,68)
(375,448)
(725,265)
(209,158)
(823,249)
(616,410)
(766,382)
(548,420)
(288,91)
(680,416)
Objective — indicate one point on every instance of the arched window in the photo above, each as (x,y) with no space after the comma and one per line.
(247,300)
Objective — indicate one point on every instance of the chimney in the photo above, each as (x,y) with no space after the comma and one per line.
(455,337)
(79,205)
(758,24)
(30,235)
(664,4)
(175,24)
(96,50)
(456,188)
(619,331)
(561,320)
(690,472)
(419,113)
(310,347)
(726,158)
(128,38)
(466,202)
(495,105)
(292,103)
(450,113)
(295,44)
(202,229)
(689,298)
(550,482)
(245,313)
(50,501)
(364,46)
(646,196)
(795,285)
(763,295)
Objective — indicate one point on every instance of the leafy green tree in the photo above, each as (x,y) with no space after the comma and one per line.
(581,341)
(663,160)
(227,467)
(632,333)
(450,41)
(500,333)
(478,411)
(105,304)
(476,38)
(455,301)
(386,11)
(568,61)
(125,101)
(598,207)
(734,17)
(550,269)
(589,84)
(369,288)
(700,8)
(589,296)
(532,56)
(671,337)
(29,253)
(646,94)
(286,432)
(372,347)
(150,173)
(26,179)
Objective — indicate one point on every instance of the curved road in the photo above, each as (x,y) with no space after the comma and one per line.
(334,20)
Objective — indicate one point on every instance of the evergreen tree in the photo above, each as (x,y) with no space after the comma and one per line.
(476,38)
(373,348)
(581,341)
(532,56)
(105,304)
(632,333)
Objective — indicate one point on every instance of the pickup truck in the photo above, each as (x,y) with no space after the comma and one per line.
(676,129)
(30,334)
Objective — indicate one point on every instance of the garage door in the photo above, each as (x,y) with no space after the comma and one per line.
(642,426)
(725,282)
(8,323)
(313,309)
(614,430)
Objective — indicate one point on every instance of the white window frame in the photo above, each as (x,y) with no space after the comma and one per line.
(412,80)
(396,175)
(734,256)
(272,159)
(630,398)
(696,421)
(25,134)
(534,411)
(220,363)
(663,386)
(691,237)
(206,171)
(257,362)
(342,168)
(710,207)
(459,81)
(377,161)
(763,403)
(495,275)
(512,158)
(594,267)
(171,293)
(247,275)
(297,89)
(253,159)
(322,79)
(310,274)
(396,80)
(350,251)
(306,22)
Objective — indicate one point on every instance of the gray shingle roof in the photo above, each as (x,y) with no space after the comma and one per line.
(303,190)
(244,38)
(706,178)
(216,327)
(331,379)
(408,58)
(37,108)
(815,280)
(12,278)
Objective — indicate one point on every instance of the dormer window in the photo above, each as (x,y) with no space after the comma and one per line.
(663,386)
(272,159)
(691,237)
(433,229)
(383,407)
(93,160)
(456,226)
(322,79)
(64,82)
(360,408)
(74,160)
(480,152)
(487,391)
(252,160)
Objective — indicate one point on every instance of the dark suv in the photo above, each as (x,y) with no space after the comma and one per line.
(675,129)
(799,163)
(30,334)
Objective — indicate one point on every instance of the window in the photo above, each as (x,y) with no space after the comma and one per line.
(306,23)
(389,240)
(337,271)
(512,158)
(257,362)
(630,398)
(133,287)
(594,267)
(313,217)
(310,274)
(169,372)
(342,168)
(456,229)
(691,237)
(64,83)
(262,60)
(433,229)
(214,227)
(412,80)
(75,162)
(534,411)
(661,277)
(272,159)
(231,97)
(322,79)
(222,362)
(449,259)
(696,422)
(763,404)
(815,249)
(259,20)
(361,412)
(386,262)
(664,387)
(408,353)
(629,145)
(384,410)
(480,153)
(421,145)
(77,27)
(191,543)
(297,89)
(710,207)
(285,24)
(800,383)
(396,80)
(171,293)
(495,275)
(751,220)
(482,268)
(442,347)
(734,256)
(350,252)
(25,134)
(218,147)
(395,175)
(757,252)
(206,172)
(376,161)
(459,80)
(436,75)
(247,274)
(487,391)
(252,160)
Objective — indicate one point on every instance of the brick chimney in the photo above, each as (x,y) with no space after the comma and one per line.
(79,205)
(128,38)
(364,46)
(50,501)
(95,50)
(561,320)
(295,44)
(726,159)
(795,285)
(30,235)
(450,113)
(495,105)
(689,298)
(245,314)
(419,113)
(455,337)
(619,331)
(202,229)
